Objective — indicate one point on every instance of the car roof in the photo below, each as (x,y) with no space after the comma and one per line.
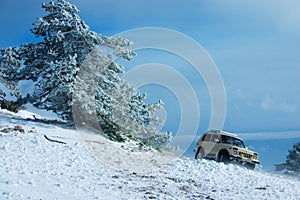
(219,132)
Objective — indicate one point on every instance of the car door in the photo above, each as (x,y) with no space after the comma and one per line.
(206,143)
(214,144)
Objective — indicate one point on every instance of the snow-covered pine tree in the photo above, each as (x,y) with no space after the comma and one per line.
(119,103)
(293,159)
(9,64)
(55,62)
(67,64)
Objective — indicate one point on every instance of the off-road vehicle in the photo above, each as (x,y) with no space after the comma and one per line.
(225,147)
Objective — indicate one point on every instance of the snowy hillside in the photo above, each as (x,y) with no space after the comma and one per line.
(61,167)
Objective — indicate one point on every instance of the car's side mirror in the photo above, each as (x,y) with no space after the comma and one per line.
(217,141)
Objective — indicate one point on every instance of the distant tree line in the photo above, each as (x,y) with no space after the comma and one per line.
(292,163)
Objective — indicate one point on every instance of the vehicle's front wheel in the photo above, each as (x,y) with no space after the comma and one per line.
(250,166)
(224,157)
(199,154)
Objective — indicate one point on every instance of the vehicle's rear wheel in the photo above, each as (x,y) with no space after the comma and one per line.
(199,154)
(224,157)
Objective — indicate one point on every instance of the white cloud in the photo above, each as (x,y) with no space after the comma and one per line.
(271,104)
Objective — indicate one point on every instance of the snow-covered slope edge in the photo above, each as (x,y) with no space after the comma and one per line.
(33,167)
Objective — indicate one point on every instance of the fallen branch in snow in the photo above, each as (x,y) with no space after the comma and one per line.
(51,140)
(50,121)
(261,188)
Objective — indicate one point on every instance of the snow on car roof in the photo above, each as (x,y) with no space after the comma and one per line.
(223,133)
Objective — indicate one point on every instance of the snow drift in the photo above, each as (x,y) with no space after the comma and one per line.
(64,167)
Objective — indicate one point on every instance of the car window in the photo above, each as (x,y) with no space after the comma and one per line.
(238,143)
(225,139)
(206,137)
(233,141)
(214,137)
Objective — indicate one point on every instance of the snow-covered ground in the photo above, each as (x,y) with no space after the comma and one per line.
(33,167)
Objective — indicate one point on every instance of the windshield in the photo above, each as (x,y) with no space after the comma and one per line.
(233,141)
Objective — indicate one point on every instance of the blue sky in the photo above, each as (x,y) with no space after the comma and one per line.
(254,44)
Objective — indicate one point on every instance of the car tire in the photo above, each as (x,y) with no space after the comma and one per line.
(224,157)
(199,154)
(250,166)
